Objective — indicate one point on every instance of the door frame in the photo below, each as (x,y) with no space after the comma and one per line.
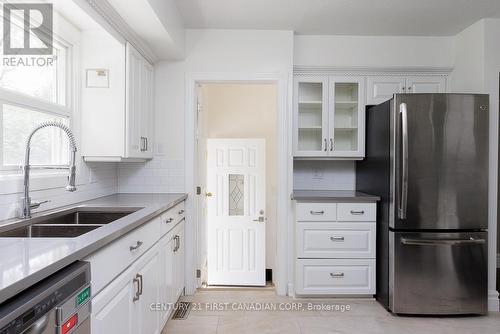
(284,245)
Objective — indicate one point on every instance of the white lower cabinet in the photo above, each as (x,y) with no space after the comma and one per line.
(172,278)
(112,309)
(148,283)
(335,252)
(141,298)
(336,276)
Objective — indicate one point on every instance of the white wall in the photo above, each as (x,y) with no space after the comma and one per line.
(103,109)
(469,53)
(373,51)
(476,70)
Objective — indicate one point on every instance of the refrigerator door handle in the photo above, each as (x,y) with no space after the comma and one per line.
(404,164)
(441,242)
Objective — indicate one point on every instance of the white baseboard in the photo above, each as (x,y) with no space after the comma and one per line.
(493,302)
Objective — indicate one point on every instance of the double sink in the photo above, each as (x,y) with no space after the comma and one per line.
(69,223)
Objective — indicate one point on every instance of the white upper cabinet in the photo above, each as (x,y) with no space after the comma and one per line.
(311,117)
(347,117)
(139,106)
(427,84)
(382,88)
(329,117)
(115,131)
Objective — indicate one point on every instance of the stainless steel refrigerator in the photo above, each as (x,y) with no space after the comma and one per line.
(427,158)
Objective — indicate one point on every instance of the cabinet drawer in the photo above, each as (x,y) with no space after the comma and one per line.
(335,277)
(110,261)
(171,217)
(316,211)
(354,212)
(341,240)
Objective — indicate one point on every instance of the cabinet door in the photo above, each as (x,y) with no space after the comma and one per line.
(347,117)
(381,89)
(113,309)
(147,87)
(310,117)
(167,294)
(134,143)
(148,271)
(426,84)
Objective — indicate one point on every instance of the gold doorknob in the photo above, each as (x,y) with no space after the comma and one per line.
(208,194)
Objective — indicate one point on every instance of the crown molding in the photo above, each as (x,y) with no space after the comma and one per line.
(389,71)
(109,19)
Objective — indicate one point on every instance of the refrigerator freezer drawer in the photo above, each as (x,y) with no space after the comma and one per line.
(335,277)
(438,273)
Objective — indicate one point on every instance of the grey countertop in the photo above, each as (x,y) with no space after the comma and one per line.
(333,195)
(26,261)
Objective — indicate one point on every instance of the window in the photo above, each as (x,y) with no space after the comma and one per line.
(32,94)
(49,146)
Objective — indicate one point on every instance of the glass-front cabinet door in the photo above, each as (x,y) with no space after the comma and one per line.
(346,117)
(310,117)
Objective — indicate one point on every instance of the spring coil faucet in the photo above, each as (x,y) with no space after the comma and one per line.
(27,205)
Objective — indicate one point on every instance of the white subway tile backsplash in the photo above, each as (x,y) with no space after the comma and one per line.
(159,175)
(104,182)
(324,175)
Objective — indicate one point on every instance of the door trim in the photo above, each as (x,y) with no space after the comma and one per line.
(284,263)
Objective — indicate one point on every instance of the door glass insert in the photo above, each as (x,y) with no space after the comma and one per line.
(236,194)
(346,116)
(310,118)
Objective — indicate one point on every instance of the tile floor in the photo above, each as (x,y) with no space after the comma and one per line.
(222,311)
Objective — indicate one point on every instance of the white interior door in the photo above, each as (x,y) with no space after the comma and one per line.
(236,180)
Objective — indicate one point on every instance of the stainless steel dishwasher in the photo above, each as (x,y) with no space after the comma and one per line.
(59,304)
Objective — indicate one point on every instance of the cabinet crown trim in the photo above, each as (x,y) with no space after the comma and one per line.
(300,70)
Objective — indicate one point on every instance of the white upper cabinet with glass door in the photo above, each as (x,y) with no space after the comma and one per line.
(311,117)
(347,121)
(329,117)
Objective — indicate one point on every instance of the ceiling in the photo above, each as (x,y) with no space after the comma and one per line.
(339,17)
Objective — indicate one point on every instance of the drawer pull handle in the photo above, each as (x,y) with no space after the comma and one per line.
(357,212)
(137,293)
(317,213)
(337,238)
(337,275)
(137,245)
(169,220)
(181,212)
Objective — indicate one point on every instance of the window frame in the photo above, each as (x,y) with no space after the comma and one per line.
(64,82)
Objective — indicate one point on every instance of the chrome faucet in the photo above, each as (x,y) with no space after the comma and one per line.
(27,205)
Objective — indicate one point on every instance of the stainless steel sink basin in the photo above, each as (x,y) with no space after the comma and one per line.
(49,231)
(69,223)
(86,217)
